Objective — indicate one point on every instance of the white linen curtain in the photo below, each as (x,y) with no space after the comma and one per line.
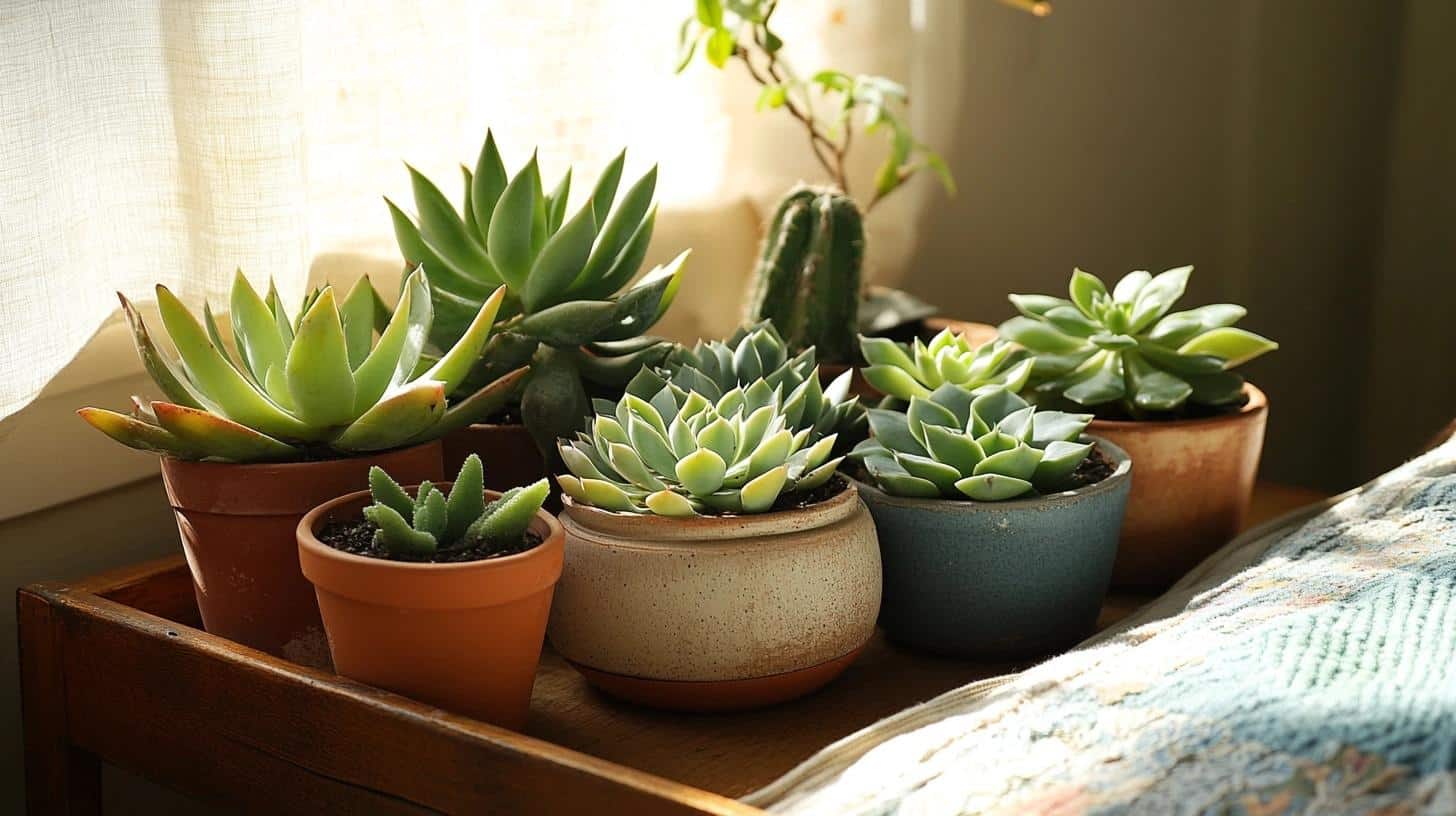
(174,141)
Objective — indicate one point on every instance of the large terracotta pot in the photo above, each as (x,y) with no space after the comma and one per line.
(464,636)
(1191,490)
(237,524)
(508,453)
(1016,578)
(717,613)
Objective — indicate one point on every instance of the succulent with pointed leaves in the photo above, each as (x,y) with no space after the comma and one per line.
(323,385)
(433,522)
(1124,350)
(954,444)
(681,454)
(902,371)
(755,353)
(564,276)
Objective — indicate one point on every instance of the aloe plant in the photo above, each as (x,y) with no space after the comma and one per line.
(682,454)
(755,352)
(568,307)
(1125,350)
(955,444)
(903,371)
(433,522)
(320,386)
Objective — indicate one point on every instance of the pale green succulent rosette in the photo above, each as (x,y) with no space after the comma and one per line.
(955,444)
(1124,348)
(682,454)
(569,309)
(323,385)
(902,371)
(754,353)
(433,522)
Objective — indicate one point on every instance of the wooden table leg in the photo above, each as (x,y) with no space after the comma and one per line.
(59,778)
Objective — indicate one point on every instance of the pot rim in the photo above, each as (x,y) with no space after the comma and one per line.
(308,539)
(647,526)
(264,467)
(1258,403)
(1121,474)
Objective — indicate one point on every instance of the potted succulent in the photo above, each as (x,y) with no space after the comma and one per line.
(1162,386)
(714,559)
(254,435)
(568,309)
(998,522)
(440,593)
(808,279)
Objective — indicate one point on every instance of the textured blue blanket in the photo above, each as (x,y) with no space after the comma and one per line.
(1311,671)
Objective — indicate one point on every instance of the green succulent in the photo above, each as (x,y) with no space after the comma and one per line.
(955,444)
(755,352)
(681,454)
(568,307)
(433,522)
(1126,349)
(904,371)
(323,385)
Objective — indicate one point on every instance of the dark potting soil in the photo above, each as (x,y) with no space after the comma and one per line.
(357,537)
(798,501)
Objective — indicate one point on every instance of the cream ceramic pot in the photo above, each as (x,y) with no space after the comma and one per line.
(717,613)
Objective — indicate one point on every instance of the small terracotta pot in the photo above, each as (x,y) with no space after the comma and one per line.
(237,524)
(1191,490)
(508,452)
(465,637)
(717,613)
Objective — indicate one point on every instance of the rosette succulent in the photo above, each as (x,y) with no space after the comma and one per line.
(902,371)
(433,522)
(682,454)
(954,444)
(568,306)
(321,386)
(753,353)
(1124,349)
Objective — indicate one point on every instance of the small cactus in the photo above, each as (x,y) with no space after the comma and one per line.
(808,276)
(431,522)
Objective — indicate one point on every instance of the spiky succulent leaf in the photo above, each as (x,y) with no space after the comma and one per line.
(419,527)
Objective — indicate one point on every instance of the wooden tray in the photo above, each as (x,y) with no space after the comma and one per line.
(115,668)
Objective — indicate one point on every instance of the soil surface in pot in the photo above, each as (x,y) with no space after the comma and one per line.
(357,538)
(1092,470)
(798,501)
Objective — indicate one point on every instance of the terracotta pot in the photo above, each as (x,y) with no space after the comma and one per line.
(1191,490)
(465,637)
(237,524)
(717,613)
(509,454)
(1017,578)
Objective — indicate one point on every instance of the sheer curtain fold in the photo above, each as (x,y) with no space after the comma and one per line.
(175,141)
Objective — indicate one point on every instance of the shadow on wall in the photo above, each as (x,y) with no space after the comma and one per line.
(1300,154)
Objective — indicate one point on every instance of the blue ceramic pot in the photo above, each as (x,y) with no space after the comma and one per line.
(999,579)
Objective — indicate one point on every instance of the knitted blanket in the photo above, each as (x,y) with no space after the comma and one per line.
(1307,668)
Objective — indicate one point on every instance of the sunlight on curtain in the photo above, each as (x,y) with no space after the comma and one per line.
(176,141)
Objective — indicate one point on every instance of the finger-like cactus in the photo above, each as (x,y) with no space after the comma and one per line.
(904,371)
(953,444)
(323,385)
(1125,349)
(564,276)
(808,276)
(756,352)
(432,522)
(681,454)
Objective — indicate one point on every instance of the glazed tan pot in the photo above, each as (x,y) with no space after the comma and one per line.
(717,613)
(237,525)
(465,637)
(510,456)
(1190,489)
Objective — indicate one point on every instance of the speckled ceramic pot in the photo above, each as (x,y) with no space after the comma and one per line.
(1191,492)
(716,613)
(999,579)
